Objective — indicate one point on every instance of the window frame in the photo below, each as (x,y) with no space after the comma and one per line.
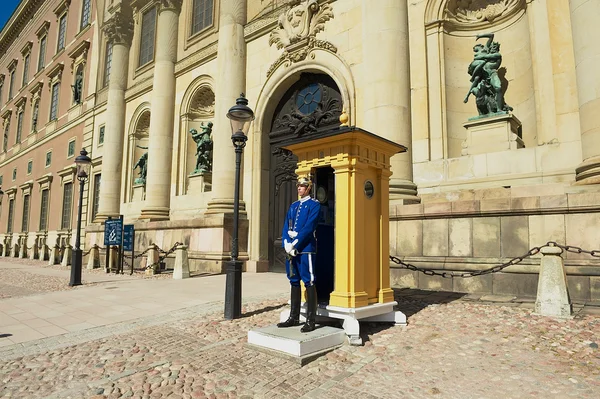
(42,53)
(67,208)
(72,141)
(63,16)
(53,106)
(19,135)
(84,23)
(11,84)
(101,133)
(29,166)
(151,8)
(96,194)
(192,35)
(11,215)
(46,163)
(108,52)
(44,211)
(26,62)
(6,136)
(25,215)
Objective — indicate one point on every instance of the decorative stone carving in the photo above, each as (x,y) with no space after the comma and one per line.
(296,32)
(142,163)
(470,11)
(174,5)
(119,28)
(203,103)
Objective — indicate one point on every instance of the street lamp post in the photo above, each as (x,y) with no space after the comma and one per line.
(240,116)
(83,163)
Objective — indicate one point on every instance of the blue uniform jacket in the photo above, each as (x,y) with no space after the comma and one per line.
(302,217)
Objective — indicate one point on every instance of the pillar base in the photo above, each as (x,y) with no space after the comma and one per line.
(349,299)
(155,213)
(102,217)
(588,172)
(223,205)
(404,190)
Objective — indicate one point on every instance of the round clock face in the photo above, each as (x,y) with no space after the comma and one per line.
(321,195)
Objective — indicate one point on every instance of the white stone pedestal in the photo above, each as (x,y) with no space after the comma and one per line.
(350,317)
(492,134)
(552,293)
(199,183)
(139,192)
(303,347)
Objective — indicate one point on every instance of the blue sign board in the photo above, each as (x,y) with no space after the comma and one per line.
(128,237)
(113,232)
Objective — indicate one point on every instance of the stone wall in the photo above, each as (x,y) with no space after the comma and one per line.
(480,229)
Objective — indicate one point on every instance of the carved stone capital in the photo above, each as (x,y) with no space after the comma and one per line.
(119,28)
(170,5)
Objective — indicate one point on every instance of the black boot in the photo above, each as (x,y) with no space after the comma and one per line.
(294,319)
(311,309)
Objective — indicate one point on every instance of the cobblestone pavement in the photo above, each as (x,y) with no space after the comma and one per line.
(452,348)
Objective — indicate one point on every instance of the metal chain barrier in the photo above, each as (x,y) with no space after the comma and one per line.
(165,254)
(495,269)
(86,253)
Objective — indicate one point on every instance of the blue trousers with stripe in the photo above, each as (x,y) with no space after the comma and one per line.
(301,268)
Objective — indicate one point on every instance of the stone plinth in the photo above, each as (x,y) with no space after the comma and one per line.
(553,295)
(492,134)
(301,346)
(199,183)
(139,192)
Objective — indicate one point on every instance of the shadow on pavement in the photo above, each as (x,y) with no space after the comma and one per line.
(5,335)
(263,310)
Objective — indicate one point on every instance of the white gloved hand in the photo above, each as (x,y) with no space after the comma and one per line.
(292,233)
(293,252)
(287,246)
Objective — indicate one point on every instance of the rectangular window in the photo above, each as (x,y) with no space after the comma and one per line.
(147,37)
(66,210)
(26,69)
(202,15)
(107,62)
(54,103)
(14,176)
(29,167)
(19,127)
(1,179)
(48,158)
(11,214)
(12,83)
(85,13)
(6,132)
(25,221)
(71,149)
(62,33)
(44,210)
(42,57)
(96,195)
(1,91)
(101,135)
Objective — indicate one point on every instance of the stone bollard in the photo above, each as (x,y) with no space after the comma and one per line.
(5,249)
(14,251)
(552,293)
(67,256)
(33,253)
(93,258)
(44,252)
(182,266)
(23,250)
(152,260)
(54,256)
(113,259)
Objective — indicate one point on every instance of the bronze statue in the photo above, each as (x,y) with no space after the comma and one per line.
(486,85)
(204,147)
(142,163)
(77,87)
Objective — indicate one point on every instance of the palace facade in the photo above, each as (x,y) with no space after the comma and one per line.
(130,79)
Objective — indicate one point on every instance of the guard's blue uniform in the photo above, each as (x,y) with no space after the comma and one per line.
(302,217)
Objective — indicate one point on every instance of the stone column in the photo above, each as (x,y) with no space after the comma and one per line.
(586,32)
(231,82)
(119,30)
(387,92)
(162,111)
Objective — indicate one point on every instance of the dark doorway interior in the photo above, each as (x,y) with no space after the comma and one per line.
(324,192)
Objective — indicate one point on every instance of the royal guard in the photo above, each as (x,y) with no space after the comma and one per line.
(300,244)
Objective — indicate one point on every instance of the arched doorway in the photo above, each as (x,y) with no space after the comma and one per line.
(311,105)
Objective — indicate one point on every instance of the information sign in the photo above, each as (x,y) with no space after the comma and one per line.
(113,231)
(128,237)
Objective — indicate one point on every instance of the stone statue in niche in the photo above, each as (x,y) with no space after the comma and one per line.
(142,163)
(204,148)
(486,85)
(77,87)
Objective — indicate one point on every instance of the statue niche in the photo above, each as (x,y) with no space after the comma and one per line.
(142,164)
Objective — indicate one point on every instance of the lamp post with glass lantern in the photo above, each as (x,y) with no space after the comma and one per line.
(83,163)
(240,116)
